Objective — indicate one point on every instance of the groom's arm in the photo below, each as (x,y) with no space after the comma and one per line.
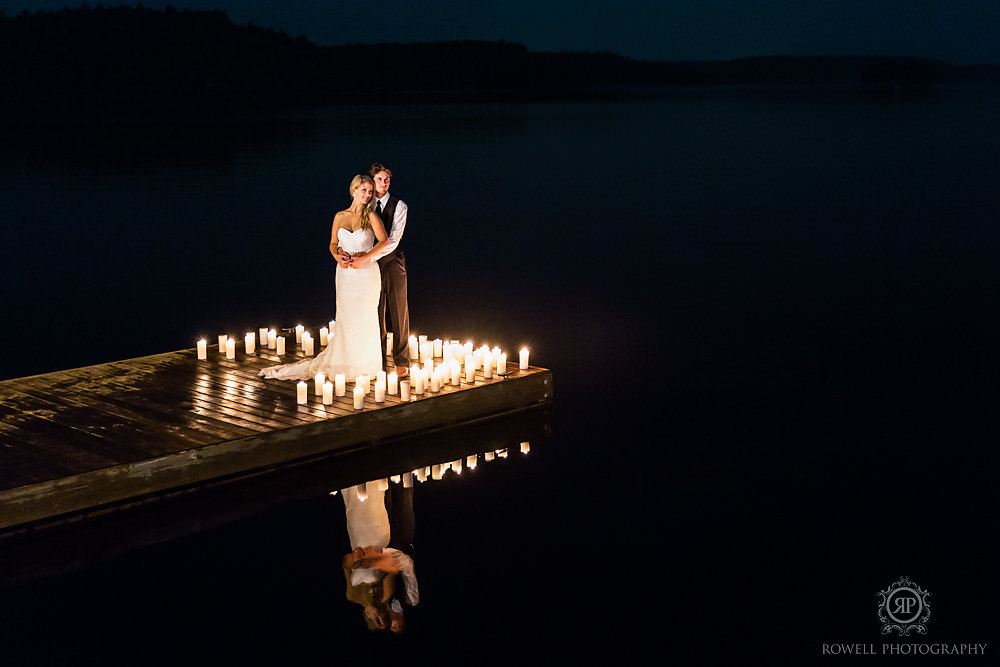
(395,232)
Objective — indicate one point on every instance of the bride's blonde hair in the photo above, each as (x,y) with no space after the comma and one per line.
(366,210)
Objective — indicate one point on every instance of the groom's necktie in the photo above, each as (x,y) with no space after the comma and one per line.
(378,209)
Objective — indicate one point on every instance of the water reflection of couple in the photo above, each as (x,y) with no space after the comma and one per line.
(381,529)
(371,286)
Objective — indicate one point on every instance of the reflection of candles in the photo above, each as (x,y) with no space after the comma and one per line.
(524,358)
(301,393)
(362,492)
(250,342)
(525,447)
(395,479)
(359,398)
(202,349)
(230,348)
(279,344)
(502,453)
(404,390)
(320,379)
(456,465)
(438,350)
(414,350)
(407,480)
(488,456)
(341,384)
(392,382)
(324,336)
(327,393)
(436,472)
(379,391)
(383,484)
(298,333)
(388,343)
(471,461)
(272,336)
(421,474)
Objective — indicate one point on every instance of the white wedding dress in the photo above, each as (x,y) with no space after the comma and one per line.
(356,348)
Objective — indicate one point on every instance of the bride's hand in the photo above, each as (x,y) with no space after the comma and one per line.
(359,260)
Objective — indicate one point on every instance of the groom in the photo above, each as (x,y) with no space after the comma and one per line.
(391,261)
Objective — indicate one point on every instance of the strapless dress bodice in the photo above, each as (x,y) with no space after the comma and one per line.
(360,240)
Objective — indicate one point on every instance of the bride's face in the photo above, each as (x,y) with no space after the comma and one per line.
(363,193)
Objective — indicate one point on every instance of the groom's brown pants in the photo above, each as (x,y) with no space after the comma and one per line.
(393,308)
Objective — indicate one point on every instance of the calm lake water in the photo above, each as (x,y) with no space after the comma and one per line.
(771,318)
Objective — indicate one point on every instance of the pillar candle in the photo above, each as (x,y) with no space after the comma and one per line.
(470,369)
(262,334)
(417,374)
(502,363)
(392,383)
(329,338)
(414,350)
(307,344)
(438,348)
(421,339)
(365,381)
(332,322)
(299,329)
(446,351)
(426,350)
(324,336)
(429,367)
(320,378)
(404,390)
(456,373)
(340,384)
(202,349)
(230,348)
(380,377)
(279,345)
(272,336)
(250,342)
(379,391)
(487,366)
(222,343)
(388,343)
(359,398)
(301,393)
(524,358)
(327,393)
(436,382)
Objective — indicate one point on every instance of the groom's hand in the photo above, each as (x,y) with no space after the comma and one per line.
(343,258)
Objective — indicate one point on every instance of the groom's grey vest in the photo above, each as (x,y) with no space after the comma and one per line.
(388,213)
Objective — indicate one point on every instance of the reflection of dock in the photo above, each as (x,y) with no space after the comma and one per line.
(92,439)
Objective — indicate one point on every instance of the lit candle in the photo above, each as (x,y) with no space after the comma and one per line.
(222,343)
(404,390)
(262,334)
(320,378)
(502,363)
(279,344)
(438,348)
(446,350)
(202,349)
(426,350)
(230,348)
(359,398)
(392,383)
(298,333)
(327,393)
(379,391)
(421,339)
(250,342)
(341,384)
(429,366)
(380,377)
(414,350)
(435,382)
(307,344)
(524,358)
(456,373)
(301,393)
(324,336)
(272,337)
(332,322)
(525,447)
(470,369)
(363,381)
(329,338)
(487,366)
(419,380)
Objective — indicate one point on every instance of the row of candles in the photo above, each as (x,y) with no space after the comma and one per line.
(435,472)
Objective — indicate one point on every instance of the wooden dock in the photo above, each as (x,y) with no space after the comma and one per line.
(85,440)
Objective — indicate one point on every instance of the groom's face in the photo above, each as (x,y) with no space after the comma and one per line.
(382,179)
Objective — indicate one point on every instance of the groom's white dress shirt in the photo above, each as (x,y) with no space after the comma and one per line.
(395,232)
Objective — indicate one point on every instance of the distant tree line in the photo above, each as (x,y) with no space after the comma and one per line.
(98,60)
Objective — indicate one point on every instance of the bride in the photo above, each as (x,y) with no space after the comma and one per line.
(356,348)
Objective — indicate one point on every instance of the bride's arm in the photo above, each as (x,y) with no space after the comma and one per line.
(342,258)
(360,260)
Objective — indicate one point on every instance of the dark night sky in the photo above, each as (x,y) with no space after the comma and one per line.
(960,31)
